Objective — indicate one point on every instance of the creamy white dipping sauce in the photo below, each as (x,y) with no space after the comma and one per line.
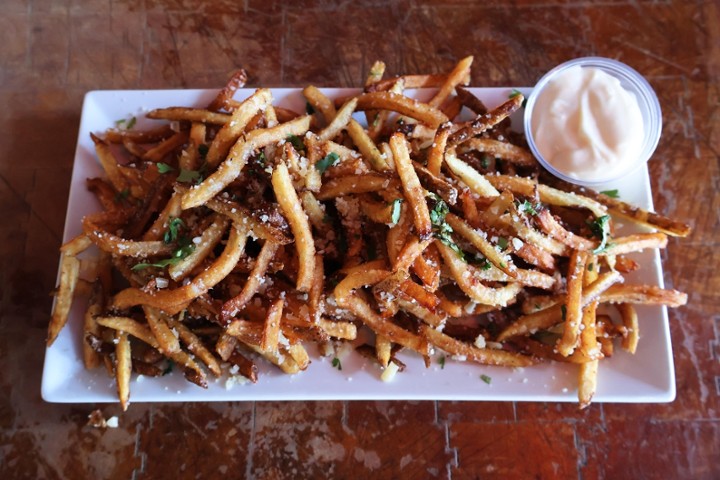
(586,125)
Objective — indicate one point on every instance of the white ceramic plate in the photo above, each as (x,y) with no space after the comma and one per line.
(648,376)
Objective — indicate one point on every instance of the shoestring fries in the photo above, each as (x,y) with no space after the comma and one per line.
(244,232)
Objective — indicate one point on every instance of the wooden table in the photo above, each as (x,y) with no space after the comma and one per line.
(52,52)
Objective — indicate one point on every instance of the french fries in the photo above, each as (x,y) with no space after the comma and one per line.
(249,228)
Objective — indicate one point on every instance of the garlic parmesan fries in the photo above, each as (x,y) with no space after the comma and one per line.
(244,232)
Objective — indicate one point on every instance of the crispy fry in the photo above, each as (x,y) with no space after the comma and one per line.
(403,105)
(630,321)
(573,308)
(235,304)
(208,240)
(483,356)
(587,382)
(194,345)
(69,271)
(230,132)
(292,208)
(123,368)
(237,158)
(166,338)
(465,277)
(414,193)
(189,114)
(552,316)
(173,300)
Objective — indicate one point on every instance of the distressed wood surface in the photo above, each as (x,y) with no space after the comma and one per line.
(52,52)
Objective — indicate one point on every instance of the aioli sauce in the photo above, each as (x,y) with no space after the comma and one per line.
(587,125)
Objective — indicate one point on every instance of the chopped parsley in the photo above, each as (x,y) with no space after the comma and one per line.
(297,143)
(164,167)
(185,246)
(336,363)
(178,255)
(174,226)
(187,176)
(126,124)
(262,159)
(480,262)
(563,311)
(441,361)
(611,193)
(514,93)
(376,120)
(395,211)
(528,207)
(441,229)
(502,243)
(486,379)
(328,161)
(590,266)
(600,227)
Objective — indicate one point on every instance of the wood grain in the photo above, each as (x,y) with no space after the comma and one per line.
(52,52)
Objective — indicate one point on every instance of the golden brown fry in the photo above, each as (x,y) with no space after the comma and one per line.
(625,210)
(195,346)
(551,226)
(549,195)
(403,105)
(465,277)
(293,211)
(231,131)
(460,74)
(437,149)
(158,152)
(354,184)
(643,295)
(487,121)
(414,192)
(271,327)
(237,158)
(635,243)
(549,317)
(173,300)
(208,240)
(120,246)
(471,177)
(587,382)
(573,305)
(483,356)
(166,338)
(69,272)
(235,304)
(632,326)
(506,151)
(478,239)
(189,114)
(343,116)
(91,358)
(123,368)
(142,332)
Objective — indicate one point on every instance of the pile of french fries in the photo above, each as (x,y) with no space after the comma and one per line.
(243,231)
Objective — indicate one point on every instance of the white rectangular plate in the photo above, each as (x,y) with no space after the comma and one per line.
(647,376)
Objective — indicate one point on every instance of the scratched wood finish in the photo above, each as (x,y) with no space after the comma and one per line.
(52,52)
